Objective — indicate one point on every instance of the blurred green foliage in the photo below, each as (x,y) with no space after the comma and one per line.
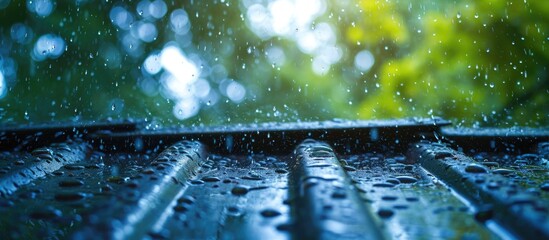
(474,62)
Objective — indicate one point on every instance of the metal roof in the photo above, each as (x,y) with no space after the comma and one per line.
(394,179)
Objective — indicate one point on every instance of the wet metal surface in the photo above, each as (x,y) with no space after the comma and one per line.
(19,169)
(278,138)
(328,204)
(412,203)
(502,191)
(400,179)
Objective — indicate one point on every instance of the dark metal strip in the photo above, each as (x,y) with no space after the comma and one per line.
(280,138)
(42,161)
(35,135)
(495,196)
(237,197)
(327,204)
(147,196)
(517,140)
(411,203)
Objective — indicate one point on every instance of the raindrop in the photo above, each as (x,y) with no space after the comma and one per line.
(406,179)
(186,199)
(383,185)
(385,213)
(74,167)
(69,196)
(475,168)
(412,199)
(503,171)
(284,227)
(339,193)
(389,198)
(240,190)
(268,213)
(71,183)
(211,179)
(400,206)
(392,181)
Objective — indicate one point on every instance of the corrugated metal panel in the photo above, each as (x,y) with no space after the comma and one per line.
(401,179)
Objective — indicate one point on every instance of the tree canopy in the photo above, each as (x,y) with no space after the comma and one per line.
(481,63)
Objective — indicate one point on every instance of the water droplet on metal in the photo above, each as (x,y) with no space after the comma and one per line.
(211,179)
(389,198)
(240,190)
(69,196)
(503,171)
(383,185)
(475,168)
(406,179)
(71,183)
(268,213)
(385,213)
